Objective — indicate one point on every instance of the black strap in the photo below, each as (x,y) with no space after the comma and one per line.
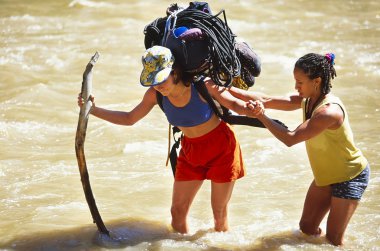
(175,147)
(177,138)
(159,100)
(226,114)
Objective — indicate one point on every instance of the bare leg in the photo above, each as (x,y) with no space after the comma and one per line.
(183,195)
(317,204)
(340,214)
(220,196)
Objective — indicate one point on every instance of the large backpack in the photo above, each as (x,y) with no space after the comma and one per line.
(203,44)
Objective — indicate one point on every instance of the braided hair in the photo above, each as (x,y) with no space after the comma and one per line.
(315,65)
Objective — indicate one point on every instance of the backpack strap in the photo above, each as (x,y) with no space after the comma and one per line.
(177,136)
(175,147)
(159,100)
(226,114)
(199,84)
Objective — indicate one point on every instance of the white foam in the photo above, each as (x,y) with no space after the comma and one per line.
(145,146)
(287,62)
(91,4)
(35,27)
(56,62)
(24,18)
(24,128)
(313,14)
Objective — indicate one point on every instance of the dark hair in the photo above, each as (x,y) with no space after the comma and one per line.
(315,65)
(186,77)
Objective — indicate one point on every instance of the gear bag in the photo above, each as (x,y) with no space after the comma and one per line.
(204,44)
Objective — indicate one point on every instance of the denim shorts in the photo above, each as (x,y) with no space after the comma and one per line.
(352,189)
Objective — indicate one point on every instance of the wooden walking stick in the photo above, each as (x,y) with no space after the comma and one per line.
(79,144)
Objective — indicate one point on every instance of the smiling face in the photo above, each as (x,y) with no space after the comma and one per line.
(305,86)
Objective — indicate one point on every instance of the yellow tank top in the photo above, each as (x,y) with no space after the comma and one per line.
(332,154)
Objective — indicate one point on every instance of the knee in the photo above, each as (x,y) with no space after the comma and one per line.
(309,228)
(179,219)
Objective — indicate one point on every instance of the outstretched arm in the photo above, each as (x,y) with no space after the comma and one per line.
(226,99)
(125,118)
(326,117)
(279,103)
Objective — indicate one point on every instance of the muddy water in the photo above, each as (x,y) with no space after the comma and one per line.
(45,46)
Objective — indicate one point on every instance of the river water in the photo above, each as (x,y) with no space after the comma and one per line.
(45,46)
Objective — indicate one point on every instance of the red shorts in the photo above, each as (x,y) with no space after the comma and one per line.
(215,156)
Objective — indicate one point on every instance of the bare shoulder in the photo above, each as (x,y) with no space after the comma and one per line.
(331,114)
(151,91)
(329,109)
(150,95)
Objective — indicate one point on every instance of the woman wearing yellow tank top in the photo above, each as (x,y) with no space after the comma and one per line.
(341,172)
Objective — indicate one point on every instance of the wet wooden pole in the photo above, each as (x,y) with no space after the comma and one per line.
(79,144)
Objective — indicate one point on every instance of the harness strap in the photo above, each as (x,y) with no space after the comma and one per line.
(226,114)
(175,147)
(169,144)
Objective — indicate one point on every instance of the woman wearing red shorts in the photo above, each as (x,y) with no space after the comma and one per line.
(209,146)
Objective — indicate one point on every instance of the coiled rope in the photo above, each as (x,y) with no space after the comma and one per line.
(224,64)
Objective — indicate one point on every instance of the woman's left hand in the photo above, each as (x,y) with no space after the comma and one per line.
(256,107)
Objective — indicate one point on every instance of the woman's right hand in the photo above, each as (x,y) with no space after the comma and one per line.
(257,107)
(81,100)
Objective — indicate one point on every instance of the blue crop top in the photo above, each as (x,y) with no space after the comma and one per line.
(193,113)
